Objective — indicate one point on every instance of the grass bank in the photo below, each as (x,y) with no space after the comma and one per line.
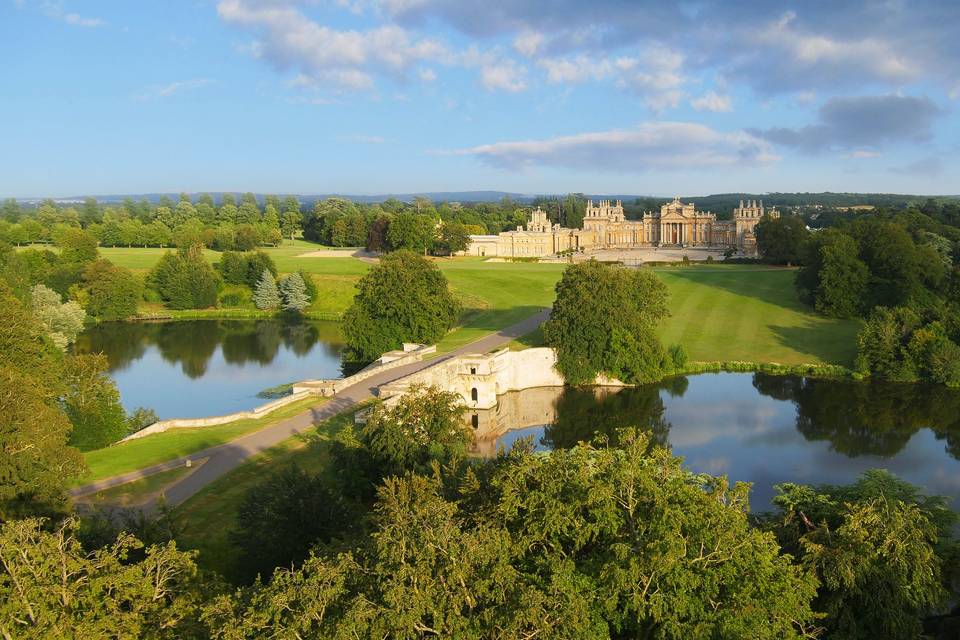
(209,515)
(151,450)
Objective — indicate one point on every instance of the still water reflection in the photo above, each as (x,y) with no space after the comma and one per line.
(758,428)
(198,368)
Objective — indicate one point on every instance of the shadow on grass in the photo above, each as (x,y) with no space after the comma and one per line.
(773,286)
(836,344)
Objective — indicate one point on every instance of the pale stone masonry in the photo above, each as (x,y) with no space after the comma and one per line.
(677,224)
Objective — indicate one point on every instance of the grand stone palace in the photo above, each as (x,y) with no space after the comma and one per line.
(677,224)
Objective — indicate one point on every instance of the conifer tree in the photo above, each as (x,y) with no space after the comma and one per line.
(266,295)
(294,291)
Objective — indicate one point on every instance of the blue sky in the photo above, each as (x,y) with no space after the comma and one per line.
(375,96)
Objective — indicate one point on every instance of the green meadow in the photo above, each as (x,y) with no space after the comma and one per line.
(719,312)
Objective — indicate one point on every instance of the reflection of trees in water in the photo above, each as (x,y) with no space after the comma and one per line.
(191,343)
(867,418)
(123,342)
(582,413)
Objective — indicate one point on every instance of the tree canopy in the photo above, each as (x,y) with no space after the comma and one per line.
(405,298)
(604,321)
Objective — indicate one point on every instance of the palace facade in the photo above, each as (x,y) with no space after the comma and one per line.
(677,224)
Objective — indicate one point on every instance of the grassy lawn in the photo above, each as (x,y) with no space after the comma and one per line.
(751,313)
(150,450)
(209,515)
(719,312)
(135,493)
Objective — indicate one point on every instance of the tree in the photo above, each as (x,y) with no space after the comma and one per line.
(405,298)
(111,292)
(245,267)
(309,285)
(290,224)
(411,231)
(833,278)
(78,247)
(36,463)
(318,227)
(51,588)
(246,237)
(780,240)
(876,546)
(294,293)
(377,233)
(283,517)
(185,280)
(585,543)
(425,426)
(454,238)
(92,403)
(63,321)
(266,295)
(892,258)
(604,320)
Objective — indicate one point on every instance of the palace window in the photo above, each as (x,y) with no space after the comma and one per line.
(473,394)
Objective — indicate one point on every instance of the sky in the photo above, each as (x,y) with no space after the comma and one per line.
(528,96)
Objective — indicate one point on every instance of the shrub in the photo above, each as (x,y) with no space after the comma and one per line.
(235,296)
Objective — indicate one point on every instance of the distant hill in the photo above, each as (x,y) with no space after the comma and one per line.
(437,196)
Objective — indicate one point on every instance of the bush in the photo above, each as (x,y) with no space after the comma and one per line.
(185,280)
(678,356)
(235,296)
(245,267)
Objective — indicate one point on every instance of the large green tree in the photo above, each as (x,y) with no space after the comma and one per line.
(413,231)
(833,278)
(111,292)
(877,548)
(604,320)
(50,587)
(780,240)
(405,298)
(36,463)
(92,403)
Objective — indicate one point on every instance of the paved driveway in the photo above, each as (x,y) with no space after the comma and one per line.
(228,456)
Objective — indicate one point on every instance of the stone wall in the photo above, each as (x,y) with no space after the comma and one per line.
(479,378)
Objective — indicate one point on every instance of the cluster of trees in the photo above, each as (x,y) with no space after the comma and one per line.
(898,270)
(421,226)
(242,225)
(104,290)
(604,321)
(409,539)
(405,298)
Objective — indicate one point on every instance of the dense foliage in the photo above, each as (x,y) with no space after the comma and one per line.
(185,280)
(876,546)
(604,321)
(780,240)
(36,463)
(405,298)
(110,292)
(896,344)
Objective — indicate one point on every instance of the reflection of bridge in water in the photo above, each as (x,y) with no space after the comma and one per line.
(536,407)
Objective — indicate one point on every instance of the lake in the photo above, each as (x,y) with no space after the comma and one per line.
(758,428)
(196,368)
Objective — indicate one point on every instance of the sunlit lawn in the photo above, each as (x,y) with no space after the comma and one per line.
(719,312)
(150,450)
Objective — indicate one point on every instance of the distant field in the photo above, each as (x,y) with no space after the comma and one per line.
(719,312)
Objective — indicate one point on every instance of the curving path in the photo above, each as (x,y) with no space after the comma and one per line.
(215,461)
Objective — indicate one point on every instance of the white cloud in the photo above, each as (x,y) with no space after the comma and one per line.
(80,21)
(427,75)
(711,101)
(166,90)
(528,43)
(369,139)
(505,75)
(863,153)
(346,59)
(649,146)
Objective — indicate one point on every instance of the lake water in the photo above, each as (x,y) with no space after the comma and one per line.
(196,368)
(758,428)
